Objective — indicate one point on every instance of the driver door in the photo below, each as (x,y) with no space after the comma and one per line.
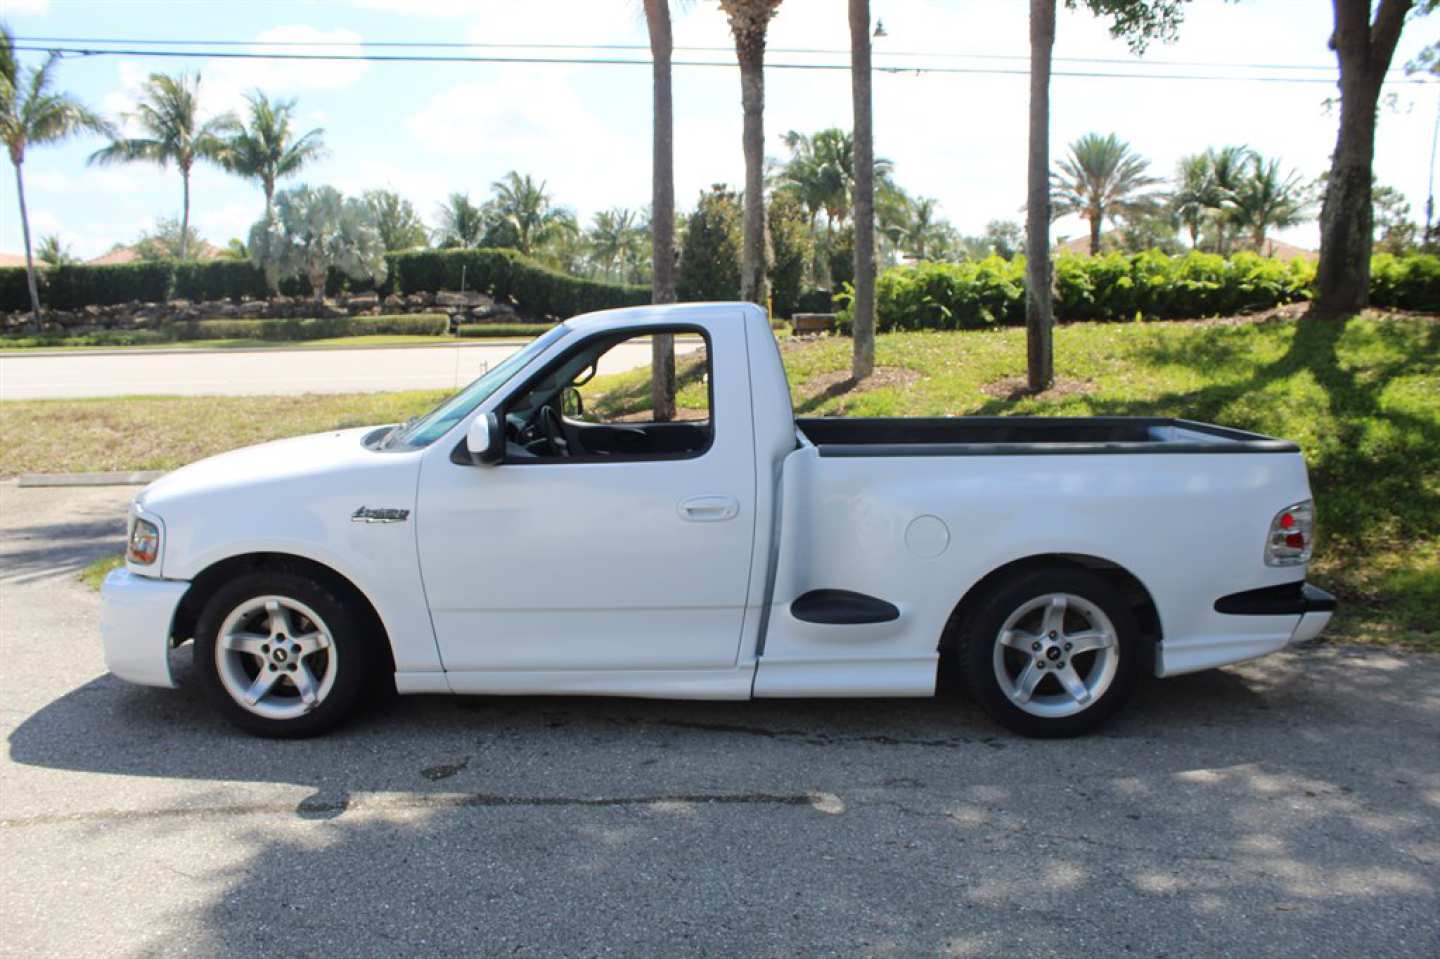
(629,554)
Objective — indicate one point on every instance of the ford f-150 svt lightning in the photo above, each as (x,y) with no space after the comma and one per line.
(512,542)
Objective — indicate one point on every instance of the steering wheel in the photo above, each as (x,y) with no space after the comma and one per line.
(554,432)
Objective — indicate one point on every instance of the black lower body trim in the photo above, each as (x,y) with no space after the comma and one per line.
(1291,599)
(840,607)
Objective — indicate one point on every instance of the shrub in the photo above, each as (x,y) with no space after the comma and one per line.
(14,294)
(536,291)
(793,250)
(502,329)
(425,324)
(218,280)
(710,259)
(71,287)
(1405,282)
(949,296)
(814,301)
(94,338)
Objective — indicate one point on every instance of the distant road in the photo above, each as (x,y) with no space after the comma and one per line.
(264,372)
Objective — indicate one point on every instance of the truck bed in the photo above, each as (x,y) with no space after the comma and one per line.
(1027,435)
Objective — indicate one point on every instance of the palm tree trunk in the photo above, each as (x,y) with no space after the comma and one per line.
(862,362)
(1342,278)
(185,213)
(662,209)
(1097,224)
(269,199)
(751,54)
(29,258)
(1039,318)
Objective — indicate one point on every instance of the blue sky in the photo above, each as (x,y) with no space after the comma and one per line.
(428,129)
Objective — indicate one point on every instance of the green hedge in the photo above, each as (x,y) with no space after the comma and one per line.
(537,291)
(1405,282)
(218,280)
(1118,286)
(482,330)
(425,324)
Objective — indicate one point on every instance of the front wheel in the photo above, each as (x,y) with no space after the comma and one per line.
(280,655)
(1052,653)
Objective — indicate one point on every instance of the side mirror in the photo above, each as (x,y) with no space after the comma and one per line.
(485,440)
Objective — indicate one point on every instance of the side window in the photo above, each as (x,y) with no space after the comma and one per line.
(623,389)
(598,404)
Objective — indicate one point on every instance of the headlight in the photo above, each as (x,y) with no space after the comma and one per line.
(144,546)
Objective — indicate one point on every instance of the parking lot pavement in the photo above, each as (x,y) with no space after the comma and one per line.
(1290,807)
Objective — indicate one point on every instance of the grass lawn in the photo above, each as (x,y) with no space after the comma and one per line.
(1362,398)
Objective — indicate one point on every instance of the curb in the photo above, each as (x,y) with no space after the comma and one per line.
(138,478)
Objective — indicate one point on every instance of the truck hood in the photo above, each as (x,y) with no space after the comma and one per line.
(318,461)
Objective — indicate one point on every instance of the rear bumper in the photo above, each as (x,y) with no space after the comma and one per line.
(1312,604)
(136,614)
(1290,599)
(1251,624)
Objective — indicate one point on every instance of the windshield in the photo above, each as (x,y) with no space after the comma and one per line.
(426,429)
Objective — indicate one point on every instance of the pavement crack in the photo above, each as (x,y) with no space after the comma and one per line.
(413,801)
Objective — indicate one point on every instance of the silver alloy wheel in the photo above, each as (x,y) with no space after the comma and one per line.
(276,657)
(1056,655)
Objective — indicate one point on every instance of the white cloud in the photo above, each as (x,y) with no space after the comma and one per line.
(537,122)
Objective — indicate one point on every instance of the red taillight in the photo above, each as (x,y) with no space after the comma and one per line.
(1292,536)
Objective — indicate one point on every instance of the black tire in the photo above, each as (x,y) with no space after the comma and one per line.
(978,638)
(354,649)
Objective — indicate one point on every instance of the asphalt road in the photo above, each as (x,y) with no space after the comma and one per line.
(266,372)
(1286,808)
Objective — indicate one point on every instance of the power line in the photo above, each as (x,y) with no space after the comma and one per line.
(511,45)
(76,51)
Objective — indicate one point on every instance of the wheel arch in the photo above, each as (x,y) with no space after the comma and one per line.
(209,580)
(1142,603)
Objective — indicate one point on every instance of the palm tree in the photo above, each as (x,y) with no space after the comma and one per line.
(1265,200)
(1102,178)
(265,149)
(53,252)
(615,238)
(1197,193)
(821,175)
(917,227)
(862,360)
(169,112)
(32,114)
(1229,166)
(462,223)
(749,22)
(525,206)
(662,207)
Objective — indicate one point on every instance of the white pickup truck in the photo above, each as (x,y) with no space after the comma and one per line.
(511,542)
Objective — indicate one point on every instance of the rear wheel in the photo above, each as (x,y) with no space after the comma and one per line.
(280,655)
(1052,653)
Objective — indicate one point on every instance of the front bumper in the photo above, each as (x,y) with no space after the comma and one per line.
(136,615)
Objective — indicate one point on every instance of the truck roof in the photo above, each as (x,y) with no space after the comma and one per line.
(660,315)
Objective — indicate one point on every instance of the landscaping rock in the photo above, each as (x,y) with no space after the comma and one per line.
(252,309)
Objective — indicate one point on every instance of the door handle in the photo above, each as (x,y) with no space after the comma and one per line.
(709,509)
